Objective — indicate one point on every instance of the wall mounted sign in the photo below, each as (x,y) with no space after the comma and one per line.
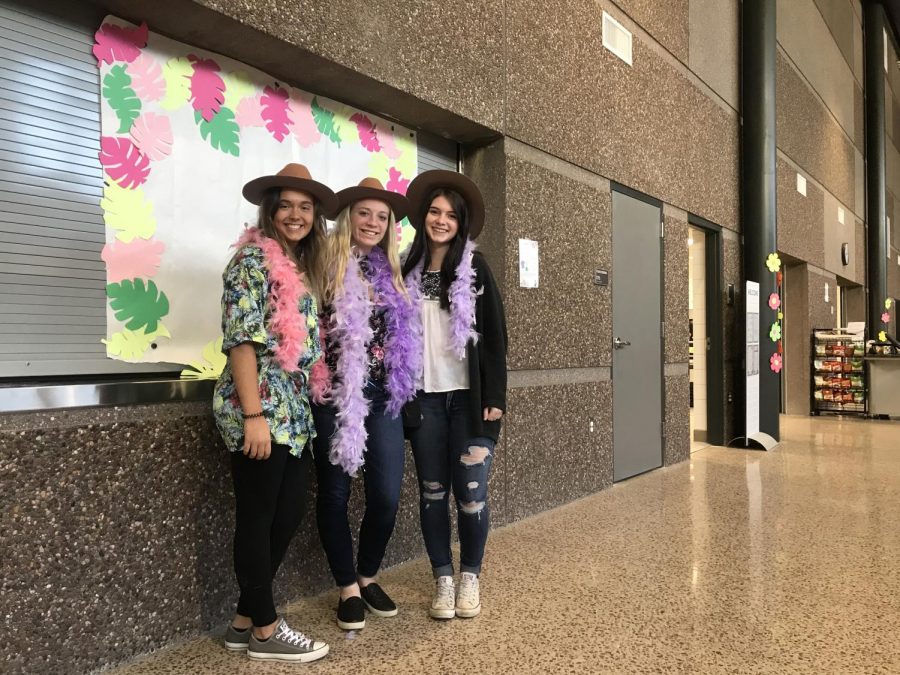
(528,263)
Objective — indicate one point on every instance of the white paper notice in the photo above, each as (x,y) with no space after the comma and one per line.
(528,263)
(752,369)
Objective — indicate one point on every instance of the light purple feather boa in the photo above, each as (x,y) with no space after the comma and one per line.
(462,295)
(351,330)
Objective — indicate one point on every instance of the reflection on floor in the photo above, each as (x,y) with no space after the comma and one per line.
(698,445)
(736,561)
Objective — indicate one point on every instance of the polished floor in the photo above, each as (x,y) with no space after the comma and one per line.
(733,562)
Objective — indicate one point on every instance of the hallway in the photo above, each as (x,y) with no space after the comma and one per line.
(735,561)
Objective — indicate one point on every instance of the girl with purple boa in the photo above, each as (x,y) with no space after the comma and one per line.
(462,386)
(371,334)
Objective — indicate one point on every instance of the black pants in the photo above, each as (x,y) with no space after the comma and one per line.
(270,498)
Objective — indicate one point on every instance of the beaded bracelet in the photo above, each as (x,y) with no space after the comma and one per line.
(249,417)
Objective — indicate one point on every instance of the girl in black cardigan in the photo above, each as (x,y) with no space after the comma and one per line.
(462,389)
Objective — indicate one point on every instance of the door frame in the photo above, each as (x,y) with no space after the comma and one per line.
(652,201)
(715,356)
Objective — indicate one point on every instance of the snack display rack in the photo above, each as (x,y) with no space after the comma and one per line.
(838,372)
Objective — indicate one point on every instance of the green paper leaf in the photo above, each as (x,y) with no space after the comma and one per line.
(141,306)
(325,122)
(121,97)
(222,131)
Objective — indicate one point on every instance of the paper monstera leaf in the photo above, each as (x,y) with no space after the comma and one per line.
(210,367)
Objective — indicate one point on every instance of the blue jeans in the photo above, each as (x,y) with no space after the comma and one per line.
(383,474)
(447,456)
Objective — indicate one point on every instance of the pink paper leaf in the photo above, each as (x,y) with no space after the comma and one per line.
(123,162)
(275,112)
(249,112)
(396,182)
(137,258)
(305,131)
(386,140)
(152,134)
(147,78)
(207,87)
(118,43)
(366,131)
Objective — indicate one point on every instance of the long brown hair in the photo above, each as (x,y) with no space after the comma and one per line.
(309,253)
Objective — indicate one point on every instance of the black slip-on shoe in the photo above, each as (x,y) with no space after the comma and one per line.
(351,614)
(377,601)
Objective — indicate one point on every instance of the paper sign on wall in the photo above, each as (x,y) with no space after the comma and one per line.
(528,263)
(752,356)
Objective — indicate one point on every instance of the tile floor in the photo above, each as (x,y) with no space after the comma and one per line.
(733,562)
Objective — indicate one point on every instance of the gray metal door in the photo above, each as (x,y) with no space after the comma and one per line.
(637,340)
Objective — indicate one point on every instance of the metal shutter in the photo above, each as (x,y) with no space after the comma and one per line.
(52,280)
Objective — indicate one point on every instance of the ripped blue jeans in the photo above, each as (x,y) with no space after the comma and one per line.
(449,458)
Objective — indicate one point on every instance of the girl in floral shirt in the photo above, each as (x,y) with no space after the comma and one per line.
(372,355)
(261,403)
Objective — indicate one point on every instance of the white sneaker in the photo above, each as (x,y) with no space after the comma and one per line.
(468,602)
(444,605)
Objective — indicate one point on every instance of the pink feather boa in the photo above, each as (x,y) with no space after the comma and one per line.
(286,288)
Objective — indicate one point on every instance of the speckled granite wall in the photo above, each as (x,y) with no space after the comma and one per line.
(648,126)
(675,299)
(566,322)
(801,231)
(796,339)
(667,22)
(808,134)
(546,469)
(117,530)
(677,421)
(715,46)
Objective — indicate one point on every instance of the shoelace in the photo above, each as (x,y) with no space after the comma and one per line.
(293,637)
(445,593)
(468,587)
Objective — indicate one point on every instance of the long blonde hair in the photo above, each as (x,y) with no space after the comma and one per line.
(338,253)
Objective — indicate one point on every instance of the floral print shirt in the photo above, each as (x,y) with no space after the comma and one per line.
(246,317)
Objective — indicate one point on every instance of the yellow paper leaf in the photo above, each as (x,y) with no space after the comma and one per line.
(378,167)
(210,367)
(237,86)
(406,163)
(128,212)
(130,345)
(177,73)
(346,129)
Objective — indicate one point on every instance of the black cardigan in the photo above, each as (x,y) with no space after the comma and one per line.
(487,358)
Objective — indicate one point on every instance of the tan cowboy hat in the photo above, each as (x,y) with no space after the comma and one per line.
(371,188)
(423,184)
(293,177)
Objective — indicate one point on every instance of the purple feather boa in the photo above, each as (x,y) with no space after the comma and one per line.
(351,330)
(462,296)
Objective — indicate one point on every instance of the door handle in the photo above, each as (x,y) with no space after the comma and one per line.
(618,343)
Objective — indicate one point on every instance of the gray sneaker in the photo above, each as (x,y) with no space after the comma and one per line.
(237,640)
(286,644)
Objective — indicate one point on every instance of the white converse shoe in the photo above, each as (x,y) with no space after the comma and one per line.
(444,605)
(468,602)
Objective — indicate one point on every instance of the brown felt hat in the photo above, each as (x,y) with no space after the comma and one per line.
(292,177)
(423,184)
(371,188)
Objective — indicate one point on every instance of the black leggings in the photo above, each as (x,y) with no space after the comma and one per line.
(270,498)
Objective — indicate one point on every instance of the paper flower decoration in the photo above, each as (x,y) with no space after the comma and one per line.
(775,363)
(780,315)
(882,337)
(778,278)
(775,332)
(885,317)
(774,301)
(887,303)
(773,262)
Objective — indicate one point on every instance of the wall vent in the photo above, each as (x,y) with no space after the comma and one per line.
(616,38)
